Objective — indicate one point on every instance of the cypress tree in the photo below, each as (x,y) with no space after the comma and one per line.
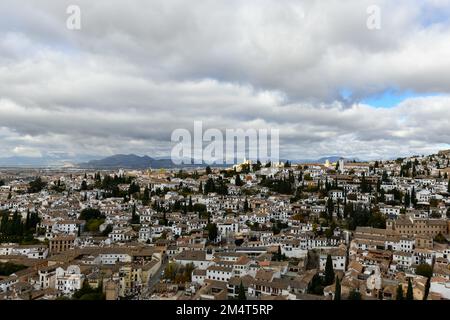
(409,292)
(241,295)
(413,197)
(407,200)
(191,207)
(246,206)
(399,295)
(329,271)
(427,289)
(337,291)
(330,208)
(279,253)
(27,220)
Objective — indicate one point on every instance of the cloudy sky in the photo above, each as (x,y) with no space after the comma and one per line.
(137,70)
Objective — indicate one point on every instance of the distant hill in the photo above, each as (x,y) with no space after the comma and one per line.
(127,161)
(132,161)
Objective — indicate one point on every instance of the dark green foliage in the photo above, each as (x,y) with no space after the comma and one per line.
(278,226)
(212,231)
(199,207)
(8,268)
(134,215)
(107,230)
(316,286)
(90,213)
(241,294)
(365,186)
(146,197)
(424,270)
(278,256)
(88,293)
(36,185)
(190,206)
(219,186)
(407,200)
(361,216)
(110,185)
(329,271)
(133,188)
(337,291)
(409,291)
(399,293)
(13,229)
(354,295)
(93,217)
(238,181)
(178,273)
(440,238)
(282,185)
(84,185)
(246,206)
(330,208)
(427,289)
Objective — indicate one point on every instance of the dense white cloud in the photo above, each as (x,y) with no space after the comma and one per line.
(138,70)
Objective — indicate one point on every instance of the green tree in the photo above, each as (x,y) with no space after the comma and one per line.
(424,270)
(36,185)
(399,293)
(409,291)
(407,200)
(7,268)
(354,295)
(427,289)
(134,215)
(90,213)
(316,286)
(190,206)
(238,181)
(440,238)
(246,206)
(241,294)
(146,196)
(329,271)
(330,208)
(212,231)
(337,291)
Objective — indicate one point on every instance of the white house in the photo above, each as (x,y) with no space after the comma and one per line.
(70,280)
(219,273)
(338,257)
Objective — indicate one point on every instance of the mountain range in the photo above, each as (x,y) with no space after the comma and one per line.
(126,161)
